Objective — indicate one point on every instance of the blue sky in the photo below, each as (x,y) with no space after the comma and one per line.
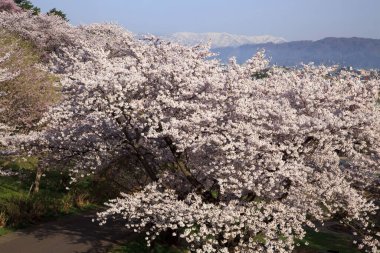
(291,19)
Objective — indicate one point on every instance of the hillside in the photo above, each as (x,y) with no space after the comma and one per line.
(355,52)
(25,96)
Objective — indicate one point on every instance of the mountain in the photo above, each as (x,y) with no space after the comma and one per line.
(221,39)
(354,52)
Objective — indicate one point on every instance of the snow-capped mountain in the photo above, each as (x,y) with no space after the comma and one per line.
(222,39)
(355,52)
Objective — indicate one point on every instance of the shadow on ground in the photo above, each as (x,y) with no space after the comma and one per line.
(76,234)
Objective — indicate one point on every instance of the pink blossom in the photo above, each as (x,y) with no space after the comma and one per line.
(9,6)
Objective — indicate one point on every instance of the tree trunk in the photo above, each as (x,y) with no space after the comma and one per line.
(37,180)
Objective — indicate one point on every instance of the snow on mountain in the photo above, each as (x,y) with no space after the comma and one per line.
(222,39)
(360,53)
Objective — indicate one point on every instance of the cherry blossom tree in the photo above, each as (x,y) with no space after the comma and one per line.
(9,6)
(233,163)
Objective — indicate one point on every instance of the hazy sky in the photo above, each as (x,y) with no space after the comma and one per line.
(291,19)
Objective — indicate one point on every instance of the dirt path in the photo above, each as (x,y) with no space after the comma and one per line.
(76,234)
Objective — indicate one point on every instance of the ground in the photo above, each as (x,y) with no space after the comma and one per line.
(74,234)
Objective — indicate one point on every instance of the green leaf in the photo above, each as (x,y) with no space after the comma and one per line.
(214,194)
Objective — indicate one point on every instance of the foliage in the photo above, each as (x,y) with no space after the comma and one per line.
(261,74)
(27,5)
(139,245)
(328,240)
(4,231)
(59,13)
(233,163)
(19,208)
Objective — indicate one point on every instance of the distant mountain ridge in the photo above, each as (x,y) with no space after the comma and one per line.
(221,39)
(355,52)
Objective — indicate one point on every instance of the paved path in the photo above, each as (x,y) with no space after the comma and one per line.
(76,234)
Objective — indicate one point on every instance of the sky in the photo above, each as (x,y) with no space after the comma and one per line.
(290,19)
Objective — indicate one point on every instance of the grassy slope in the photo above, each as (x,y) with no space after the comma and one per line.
(30,93)
(20,208)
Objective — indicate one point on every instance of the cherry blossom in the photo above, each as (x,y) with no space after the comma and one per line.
(234,163)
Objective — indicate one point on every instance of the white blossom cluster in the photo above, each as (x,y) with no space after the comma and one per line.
(5,75)
(236,163)
(7,173)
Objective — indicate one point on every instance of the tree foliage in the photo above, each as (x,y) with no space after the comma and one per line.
(234,163)
(59,13)
(27,5)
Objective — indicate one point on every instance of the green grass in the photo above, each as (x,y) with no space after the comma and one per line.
(139,246)
(4,231)
(328,240)
(22,209)
(18,208)
(11,187)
